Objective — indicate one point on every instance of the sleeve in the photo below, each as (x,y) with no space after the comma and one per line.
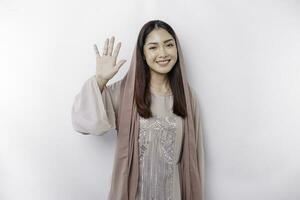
(200,139)
(93,112)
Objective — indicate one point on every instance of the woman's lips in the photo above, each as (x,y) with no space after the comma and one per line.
(163,62)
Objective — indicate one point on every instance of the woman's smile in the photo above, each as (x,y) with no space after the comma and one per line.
(163,62)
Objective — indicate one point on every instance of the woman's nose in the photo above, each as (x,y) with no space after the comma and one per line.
(162,52)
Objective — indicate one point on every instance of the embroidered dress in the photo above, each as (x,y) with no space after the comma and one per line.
(160,137)
(156,158)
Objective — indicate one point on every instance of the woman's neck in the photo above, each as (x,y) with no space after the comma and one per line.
(159,83)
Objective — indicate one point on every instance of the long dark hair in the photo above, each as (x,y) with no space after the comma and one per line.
(142,93)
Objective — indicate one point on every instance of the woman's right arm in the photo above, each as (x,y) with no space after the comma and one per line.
(95,112)
(95,108)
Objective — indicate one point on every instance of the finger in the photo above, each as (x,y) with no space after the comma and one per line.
(120,63)
(117,49)
(96,50)
(105,47)
(111,45)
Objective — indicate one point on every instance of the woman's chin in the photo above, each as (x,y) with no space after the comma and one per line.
(161,70)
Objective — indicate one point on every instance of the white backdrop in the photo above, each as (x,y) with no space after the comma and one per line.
(243,61)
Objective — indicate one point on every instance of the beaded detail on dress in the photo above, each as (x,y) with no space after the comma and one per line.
(156,158)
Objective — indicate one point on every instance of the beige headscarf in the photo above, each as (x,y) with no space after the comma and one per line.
(125,175)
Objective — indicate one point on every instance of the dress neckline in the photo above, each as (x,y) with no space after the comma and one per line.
(160,95)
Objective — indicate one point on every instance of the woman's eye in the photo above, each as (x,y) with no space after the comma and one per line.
(170,45)
(152,47)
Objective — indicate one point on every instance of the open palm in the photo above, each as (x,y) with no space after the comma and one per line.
(106,66)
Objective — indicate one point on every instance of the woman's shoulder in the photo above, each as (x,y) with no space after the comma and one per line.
(194,96)
(192,91)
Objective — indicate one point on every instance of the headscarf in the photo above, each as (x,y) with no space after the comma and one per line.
(125,174)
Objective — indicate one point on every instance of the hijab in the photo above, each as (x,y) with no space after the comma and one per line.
(124,184)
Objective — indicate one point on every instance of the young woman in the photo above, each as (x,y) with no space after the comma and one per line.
(159,152)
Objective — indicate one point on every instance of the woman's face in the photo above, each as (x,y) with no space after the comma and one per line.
(160,51)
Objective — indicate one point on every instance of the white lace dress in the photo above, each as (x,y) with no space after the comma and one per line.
(160,139)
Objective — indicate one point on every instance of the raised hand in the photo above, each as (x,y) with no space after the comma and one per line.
(106,66)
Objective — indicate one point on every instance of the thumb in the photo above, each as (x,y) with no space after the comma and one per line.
(120,63)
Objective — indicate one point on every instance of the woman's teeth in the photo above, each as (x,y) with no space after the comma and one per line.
(165,62)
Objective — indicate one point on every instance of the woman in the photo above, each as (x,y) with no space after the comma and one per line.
(159,152)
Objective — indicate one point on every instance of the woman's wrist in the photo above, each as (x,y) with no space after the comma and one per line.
(101,82)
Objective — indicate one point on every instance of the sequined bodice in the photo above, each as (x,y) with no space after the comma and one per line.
(156,158)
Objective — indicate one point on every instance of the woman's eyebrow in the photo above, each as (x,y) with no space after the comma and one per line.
(157,43)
